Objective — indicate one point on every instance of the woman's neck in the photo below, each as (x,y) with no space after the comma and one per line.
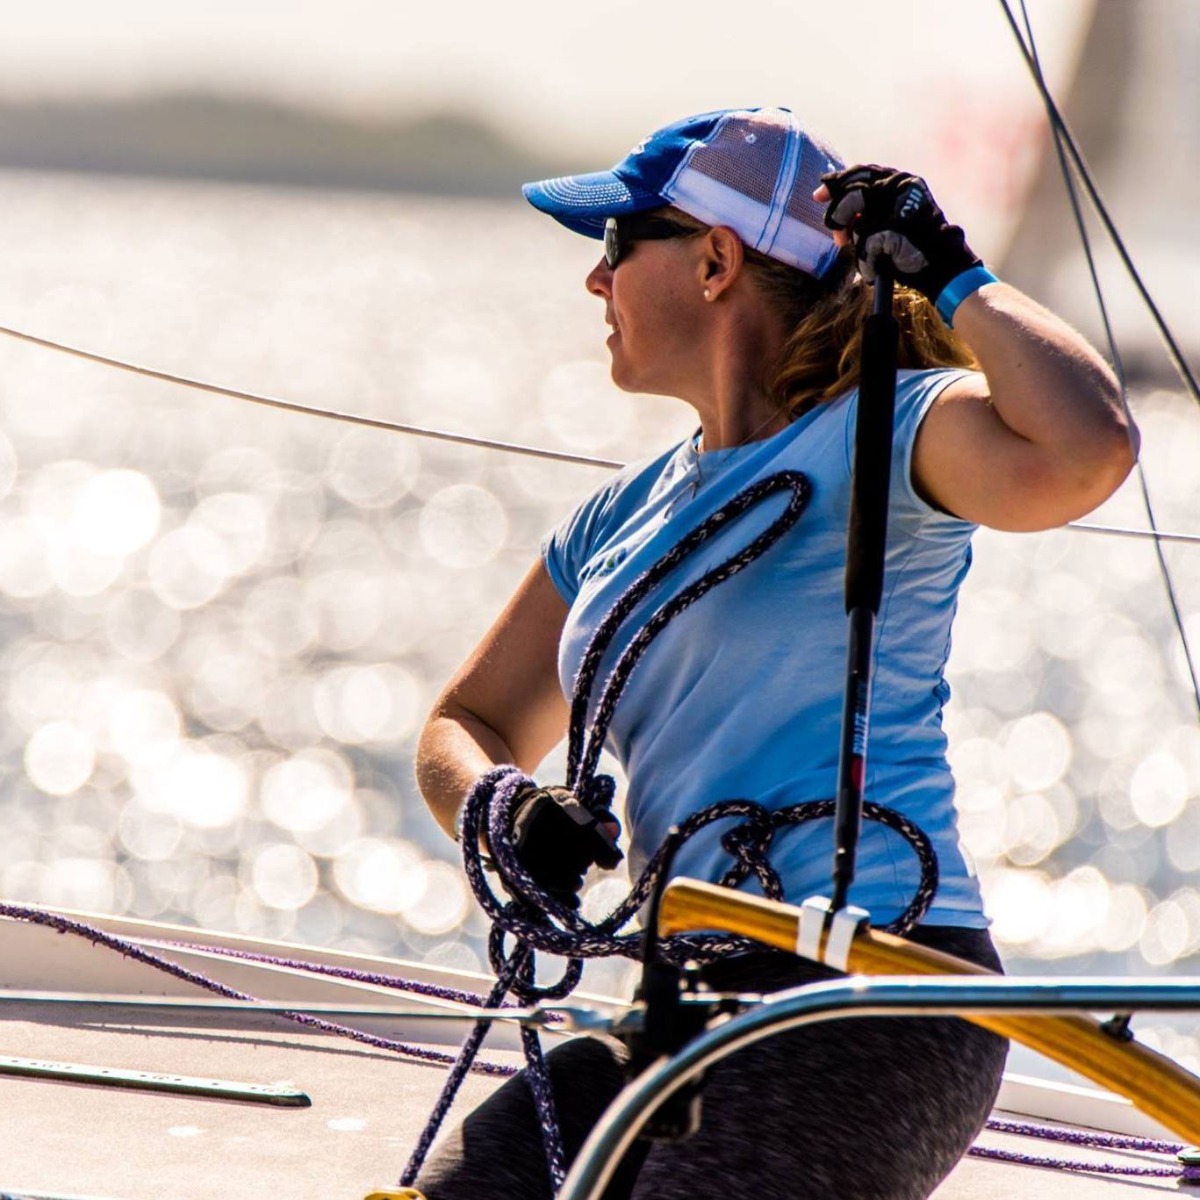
(727,386)
(740,426)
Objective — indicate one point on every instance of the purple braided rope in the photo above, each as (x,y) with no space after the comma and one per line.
(1093,1139)
(463,1064)
(416,986)
(130,949)
(539,921)
(531,913)
(1184,1173)
(571,936)
(1084,1137)
(584,746)
(498,790)
(543,1099)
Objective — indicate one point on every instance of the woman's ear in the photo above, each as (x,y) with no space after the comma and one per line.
(721,262)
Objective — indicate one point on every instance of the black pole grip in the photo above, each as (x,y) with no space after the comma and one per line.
(866,543)
(867,536)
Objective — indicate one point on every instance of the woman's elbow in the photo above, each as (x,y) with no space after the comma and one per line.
(1093,477)
(1117,457)
(1105,451)
(1112,441)
(1046,491)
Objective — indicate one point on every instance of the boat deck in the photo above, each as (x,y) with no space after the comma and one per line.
(66,1139)
(66,1001)
(112,1143)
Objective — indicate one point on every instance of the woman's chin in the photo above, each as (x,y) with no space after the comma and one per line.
(626,383)
(618,368)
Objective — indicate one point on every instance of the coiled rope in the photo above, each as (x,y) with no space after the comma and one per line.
(537,920)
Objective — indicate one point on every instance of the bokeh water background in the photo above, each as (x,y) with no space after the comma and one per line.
(223,625)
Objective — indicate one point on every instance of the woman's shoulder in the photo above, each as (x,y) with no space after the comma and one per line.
(568,546)
(918,390)
(631,485)
(918,382)
(916,387)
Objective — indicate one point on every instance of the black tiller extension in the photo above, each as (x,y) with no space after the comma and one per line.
(667,1025)
(865,545)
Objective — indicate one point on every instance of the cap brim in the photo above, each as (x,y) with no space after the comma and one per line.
(584,202)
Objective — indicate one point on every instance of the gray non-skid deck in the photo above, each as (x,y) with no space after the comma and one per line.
(64,1138)
(367,1107)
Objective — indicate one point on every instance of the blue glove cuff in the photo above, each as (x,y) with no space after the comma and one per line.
(959,288)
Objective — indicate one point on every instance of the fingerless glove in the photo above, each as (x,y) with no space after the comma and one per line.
(557,838)
(889,212)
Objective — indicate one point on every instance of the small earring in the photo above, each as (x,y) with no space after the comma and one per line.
(707,294)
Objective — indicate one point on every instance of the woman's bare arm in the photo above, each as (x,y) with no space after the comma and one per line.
(1041,438)
(504,705)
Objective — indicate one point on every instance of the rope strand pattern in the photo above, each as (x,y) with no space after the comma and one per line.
(1092,1139)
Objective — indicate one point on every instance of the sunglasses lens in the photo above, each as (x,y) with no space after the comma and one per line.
(612,243)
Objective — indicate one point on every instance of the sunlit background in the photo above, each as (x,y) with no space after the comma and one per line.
(223,625)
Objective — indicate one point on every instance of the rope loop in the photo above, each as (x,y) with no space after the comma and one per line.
(748,844)
(536,920)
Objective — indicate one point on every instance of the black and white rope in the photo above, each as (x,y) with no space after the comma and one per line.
(536,920)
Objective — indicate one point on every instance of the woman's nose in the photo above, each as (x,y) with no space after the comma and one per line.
(599,280)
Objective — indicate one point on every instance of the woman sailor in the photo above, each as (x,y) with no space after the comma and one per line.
(735,250)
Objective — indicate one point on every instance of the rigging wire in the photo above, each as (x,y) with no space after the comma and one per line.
(332,414)
(1157,535)
(1065,145)
(1071,146)
(462,439)
(1064,142)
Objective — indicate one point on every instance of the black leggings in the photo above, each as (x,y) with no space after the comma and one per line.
(878,1108)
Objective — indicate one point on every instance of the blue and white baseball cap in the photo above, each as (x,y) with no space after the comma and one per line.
(751,169)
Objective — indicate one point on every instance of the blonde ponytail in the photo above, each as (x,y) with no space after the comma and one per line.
(820,360)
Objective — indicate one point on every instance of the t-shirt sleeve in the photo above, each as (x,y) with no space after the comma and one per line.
(575,541)
(569,545)
(915,395)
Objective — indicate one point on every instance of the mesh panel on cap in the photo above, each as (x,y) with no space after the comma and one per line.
(745,154)
(756,173)
(815,159)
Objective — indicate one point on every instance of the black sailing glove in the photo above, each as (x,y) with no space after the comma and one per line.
(557,839)
(893,213)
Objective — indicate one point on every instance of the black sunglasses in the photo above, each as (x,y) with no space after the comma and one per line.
(621,232)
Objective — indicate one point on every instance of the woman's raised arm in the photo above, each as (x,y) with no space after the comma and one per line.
(1040,438)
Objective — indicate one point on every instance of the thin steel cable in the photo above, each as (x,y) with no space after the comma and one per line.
(462,439)
(1062,141)
(1146,534)
(1058,121)
(218,389)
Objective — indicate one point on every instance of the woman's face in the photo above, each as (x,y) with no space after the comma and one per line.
(652,300)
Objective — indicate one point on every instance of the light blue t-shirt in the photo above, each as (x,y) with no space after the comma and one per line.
(741,695)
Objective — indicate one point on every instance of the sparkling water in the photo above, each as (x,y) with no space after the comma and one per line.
(223,625)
